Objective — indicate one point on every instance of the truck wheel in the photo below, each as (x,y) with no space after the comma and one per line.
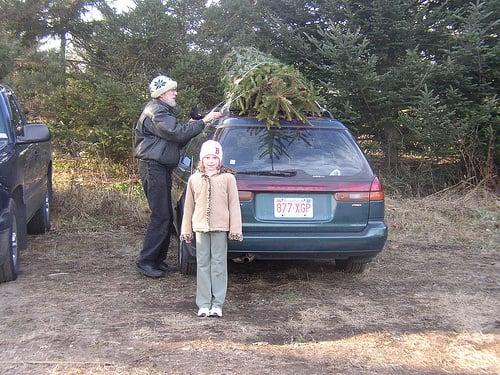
(350,265)
(187,263)
(10,269)
(40,223)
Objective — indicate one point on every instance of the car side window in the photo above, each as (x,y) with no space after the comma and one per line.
(192,152)
(194,149)
(185,162)
(17,117)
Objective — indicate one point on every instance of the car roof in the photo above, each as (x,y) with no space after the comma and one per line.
(315,121)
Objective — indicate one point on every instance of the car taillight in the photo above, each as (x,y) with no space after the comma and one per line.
(245,195)
(376,193)
(352,197)
(376,190)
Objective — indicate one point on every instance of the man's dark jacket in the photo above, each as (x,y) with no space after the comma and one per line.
(159,137)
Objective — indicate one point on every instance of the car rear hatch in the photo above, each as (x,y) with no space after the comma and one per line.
(299,179)
(299,206)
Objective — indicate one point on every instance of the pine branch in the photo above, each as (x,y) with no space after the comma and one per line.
(258,85)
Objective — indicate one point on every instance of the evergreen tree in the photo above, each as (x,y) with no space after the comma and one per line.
(261,86)
(24,21)
(417,78)
(31,21)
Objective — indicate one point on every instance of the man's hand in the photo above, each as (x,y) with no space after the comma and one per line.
(211,116)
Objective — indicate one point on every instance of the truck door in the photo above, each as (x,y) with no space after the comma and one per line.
(28,160)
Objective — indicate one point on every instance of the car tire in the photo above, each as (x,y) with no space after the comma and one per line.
(187,263)
(40,222)
(350,266)
(10,269)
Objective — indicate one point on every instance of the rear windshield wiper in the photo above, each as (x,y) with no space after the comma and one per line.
(270,173)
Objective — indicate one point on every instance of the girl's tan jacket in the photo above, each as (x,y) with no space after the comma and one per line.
(212,205)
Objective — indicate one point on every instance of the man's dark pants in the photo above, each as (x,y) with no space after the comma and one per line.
(156,181)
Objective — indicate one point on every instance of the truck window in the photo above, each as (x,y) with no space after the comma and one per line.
(3,128)
(17,117)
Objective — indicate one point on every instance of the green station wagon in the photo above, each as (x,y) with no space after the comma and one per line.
(306,191)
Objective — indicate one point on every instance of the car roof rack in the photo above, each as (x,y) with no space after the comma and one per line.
(324,112)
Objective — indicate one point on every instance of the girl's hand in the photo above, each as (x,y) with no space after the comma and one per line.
(235,237)
(187,238)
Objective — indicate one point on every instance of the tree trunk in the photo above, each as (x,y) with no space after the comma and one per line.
(492,180)
(62,37)
(390,138)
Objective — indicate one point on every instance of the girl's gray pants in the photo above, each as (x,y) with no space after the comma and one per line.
(211,272)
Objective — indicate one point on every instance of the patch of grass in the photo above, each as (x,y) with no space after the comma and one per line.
(91,170)
(452,216)
(414,175)
(291,296)
(91,193)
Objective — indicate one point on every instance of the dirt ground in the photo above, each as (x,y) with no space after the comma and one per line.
(80,307)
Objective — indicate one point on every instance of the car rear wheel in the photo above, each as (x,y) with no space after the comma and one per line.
(351,265)
(10,269)
(40,223)
(187,263)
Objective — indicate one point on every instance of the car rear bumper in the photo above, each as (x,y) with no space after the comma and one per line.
(367,243)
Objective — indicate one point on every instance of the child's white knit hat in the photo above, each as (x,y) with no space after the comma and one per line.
(211,148)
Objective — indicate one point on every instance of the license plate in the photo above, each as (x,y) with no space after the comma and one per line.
(293,207)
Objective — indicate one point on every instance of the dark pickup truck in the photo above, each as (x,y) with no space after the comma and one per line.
(25,182)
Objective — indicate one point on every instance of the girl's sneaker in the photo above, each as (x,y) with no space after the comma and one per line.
(216,312)
(203,312)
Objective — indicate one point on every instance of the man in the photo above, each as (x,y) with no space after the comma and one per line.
(158,139)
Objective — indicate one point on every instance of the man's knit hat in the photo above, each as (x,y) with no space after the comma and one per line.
(211,148)
(160,85)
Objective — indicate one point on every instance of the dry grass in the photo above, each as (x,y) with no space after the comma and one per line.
(422,353)
(92,194)
(448,217)
(432,352)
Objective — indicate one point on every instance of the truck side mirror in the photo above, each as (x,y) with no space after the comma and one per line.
(19,131)
(34,133)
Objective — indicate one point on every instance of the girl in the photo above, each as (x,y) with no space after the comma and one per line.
(211,210)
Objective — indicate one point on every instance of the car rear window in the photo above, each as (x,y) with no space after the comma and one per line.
(319,152)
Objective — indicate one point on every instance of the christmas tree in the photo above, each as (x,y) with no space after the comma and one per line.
(259,85)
